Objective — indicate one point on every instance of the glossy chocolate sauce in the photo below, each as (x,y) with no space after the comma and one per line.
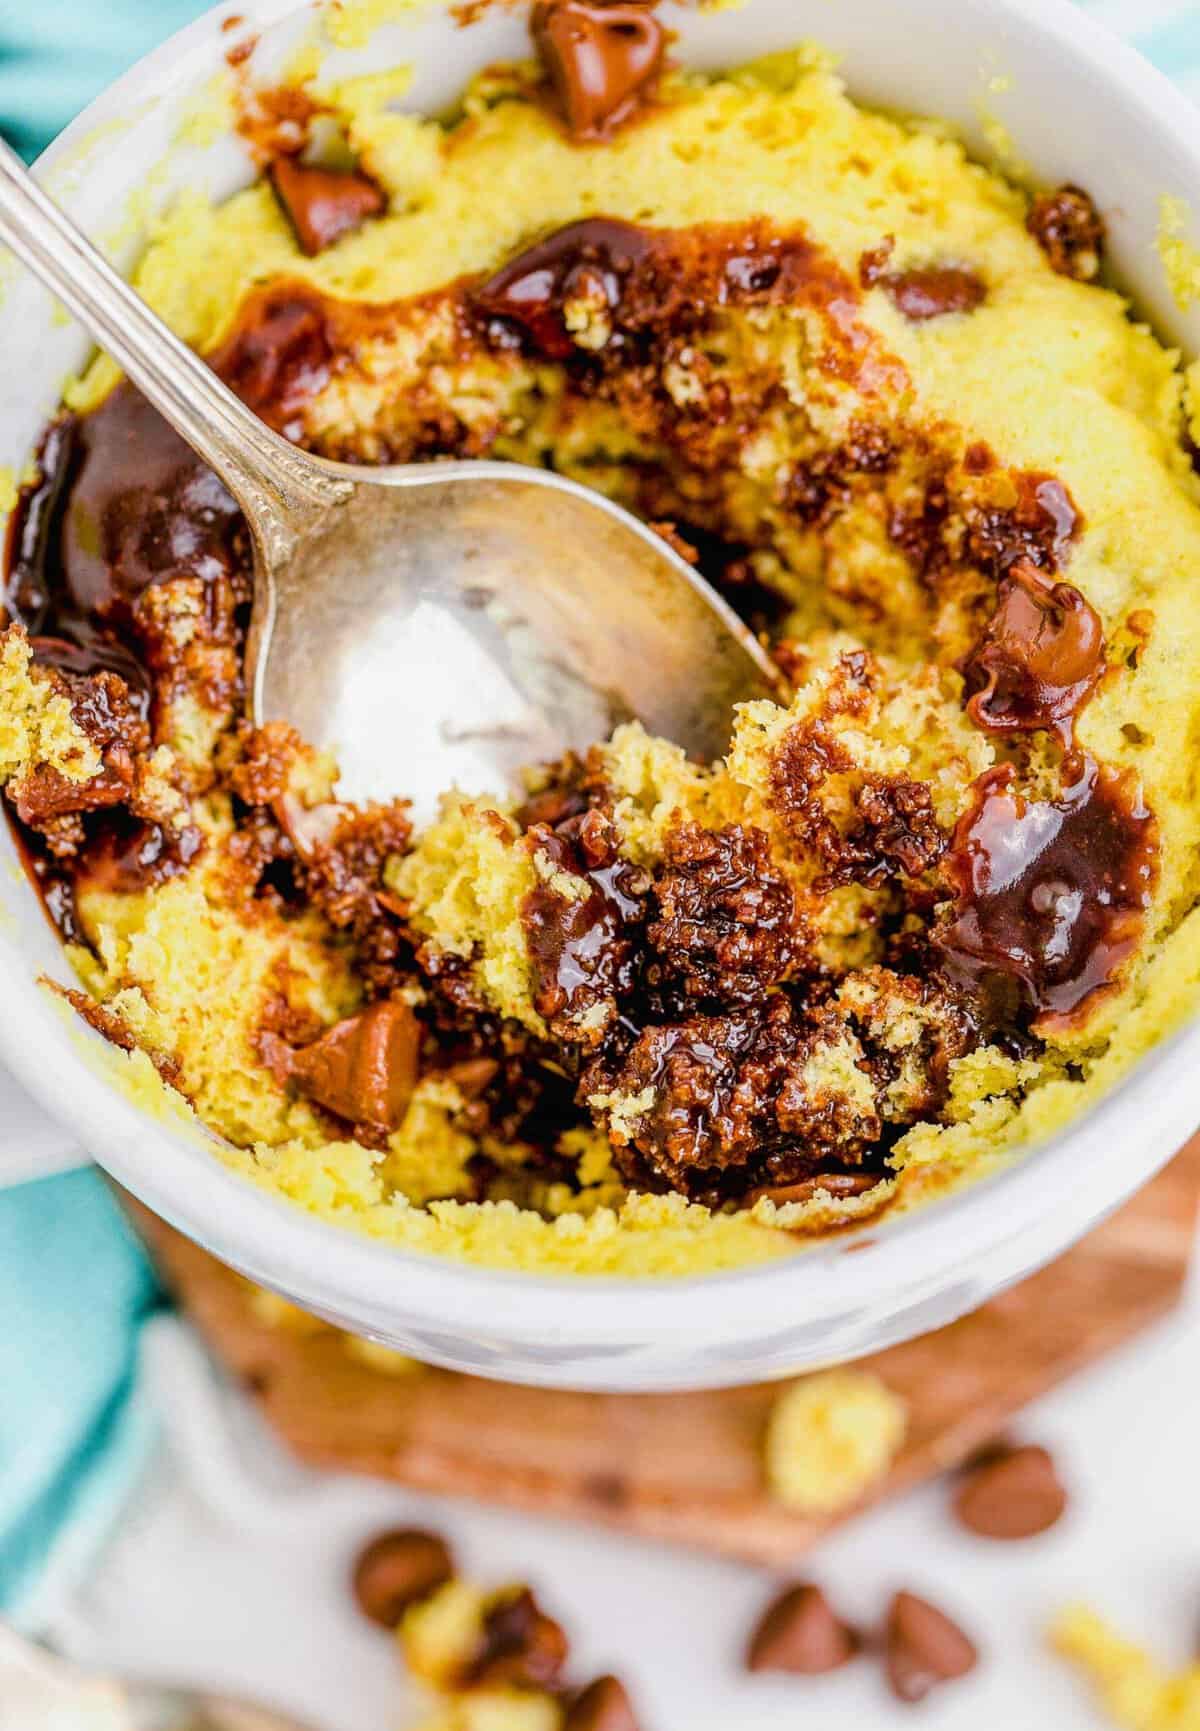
(122,503)
(642,282)
(1051,893)
(1039,659)
(582,949)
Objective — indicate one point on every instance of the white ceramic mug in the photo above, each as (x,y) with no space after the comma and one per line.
(1079,106)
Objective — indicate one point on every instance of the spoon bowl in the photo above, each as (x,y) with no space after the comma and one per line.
(450,623)
(434,626)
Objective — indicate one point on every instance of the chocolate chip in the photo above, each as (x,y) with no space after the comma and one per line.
(923,1648)
(603,1706)
(1040,656)
(363,1070)
(802,1634)
(323,204)
(1070,231)
(1013,1494)
(398,1569)
(601,58)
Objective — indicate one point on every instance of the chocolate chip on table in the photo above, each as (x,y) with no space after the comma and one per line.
(601,58)
(398,1569)
(922,1648)
(324,204)
(1013,1493)
(603,1706)
(802,1634)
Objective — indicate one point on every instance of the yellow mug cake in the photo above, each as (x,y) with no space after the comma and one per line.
(642,1014)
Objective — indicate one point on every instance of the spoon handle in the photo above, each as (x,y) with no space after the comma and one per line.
(282,491)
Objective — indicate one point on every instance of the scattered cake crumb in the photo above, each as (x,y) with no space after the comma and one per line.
(830,1439)
(1136,1691)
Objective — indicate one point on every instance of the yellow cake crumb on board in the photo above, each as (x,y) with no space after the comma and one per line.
(830,1439)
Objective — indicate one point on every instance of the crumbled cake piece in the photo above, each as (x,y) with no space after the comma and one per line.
(460,1637)
(1135,1690)
(494,1659)
(830,1439)
(38,726)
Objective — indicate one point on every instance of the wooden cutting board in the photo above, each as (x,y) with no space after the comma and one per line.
(687,1468)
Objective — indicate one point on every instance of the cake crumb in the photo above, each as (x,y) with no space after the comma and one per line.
(37,727)
(830,1438)
(1132,1687)
(1180,256)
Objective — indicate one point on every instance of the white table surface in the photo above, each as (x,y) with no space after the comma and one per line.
(231,1565)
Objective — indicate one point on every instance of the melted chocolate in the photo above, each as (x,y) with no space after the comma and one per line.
(642,280)
(125,856)
(1041,525)
(1039,659)
(324,204)
(603,60)
(1070,231)
(924,291)
(583,949)
(1050,894)
(363,1070)
(53,880)
(935,290)
(122,504)
(279,356)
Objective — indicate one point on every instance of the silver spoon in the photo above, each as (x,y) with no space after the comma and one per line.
(39,1689)
(437,624)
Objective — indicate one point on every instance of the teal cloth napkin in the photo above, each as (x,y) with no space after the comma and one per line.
(75,1289)
(55,55)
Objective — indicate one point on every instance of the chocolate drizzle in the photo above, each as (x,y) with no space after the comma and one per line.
(1039,659)
(1051,893)
(121,504)
(582,946)
(607,286)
